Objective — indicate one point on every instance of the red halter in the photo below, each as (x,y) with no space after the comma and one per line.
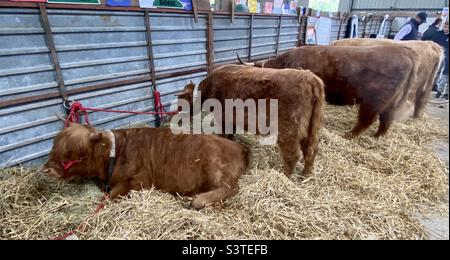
(68,164)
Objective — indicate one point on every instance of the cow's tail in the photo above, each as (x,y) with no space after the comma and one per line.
(315,122)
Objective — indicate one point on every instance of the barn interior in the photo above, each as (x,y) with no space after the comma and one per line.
(128,59)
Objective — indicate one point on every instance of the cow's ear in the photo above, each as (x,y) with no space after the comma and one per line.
(96,137)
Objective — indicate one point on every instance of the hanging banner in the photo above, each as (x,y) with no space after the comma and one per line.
(174,4)
(318,31)
(293,7)
(268,6)
(253,6)
(118,3)
(91,2)
(278,7)
(311,35)
(40,1)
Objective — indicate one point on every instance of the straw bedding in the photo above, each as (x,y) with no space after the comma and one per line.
(362,189)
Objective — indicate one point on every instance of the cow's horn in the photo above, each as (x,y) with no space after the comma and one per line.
(60,117)
(244,63)
(180,94)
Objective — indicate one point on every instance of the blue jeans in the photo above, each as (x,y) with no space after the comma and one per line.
(443,84)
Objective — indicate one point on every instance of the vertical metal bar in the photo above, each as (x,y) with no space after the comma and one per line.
(390,27)
(278,35)
(366,21)
(210,42)
(300,22)
(341,21)
(54,55)
(371,25)
(305,27)
(250,38)
(233,7)
(150,60)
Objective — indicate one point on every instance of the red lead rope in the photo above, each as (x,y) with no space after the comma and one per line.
(83,224)
(77,108)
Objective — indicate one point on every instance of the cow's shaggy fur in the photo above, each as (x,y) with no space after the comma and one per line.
(205,166)
(300,96)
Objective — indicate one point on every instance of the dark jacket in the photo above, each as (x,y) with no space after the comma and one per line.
(429,34)
(414,34)
(442,39)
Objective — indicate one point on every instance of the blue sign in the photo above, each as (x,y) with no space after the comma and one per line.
(118,2)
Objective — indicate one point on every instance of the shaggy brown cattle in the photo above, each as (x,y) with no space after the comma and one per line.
(428,57)
(375,77)
(300,96)
(206,166)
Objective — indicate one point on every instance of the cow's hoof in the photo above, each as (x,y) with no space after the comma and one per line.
(306,174)
(198,203)
(349,136)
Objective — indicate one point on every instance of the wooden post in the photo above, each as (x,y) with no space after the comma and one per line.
(278,35)
(210,42)
(54,55)
(232,11)
(151,61)
(300,23)
(250,39)
(194,10)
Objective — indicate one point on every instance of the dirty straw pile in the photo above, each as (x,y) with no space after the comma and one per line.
(363,189)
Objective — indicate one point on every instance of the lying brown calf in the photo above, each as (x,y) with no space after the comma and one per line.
(206,166)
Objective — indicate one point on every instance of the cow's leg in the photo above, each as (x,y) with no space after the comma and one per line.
(120,189)
(309,149)
(290,151)
(366,117)
(221,193)
(422,95)
(386,120)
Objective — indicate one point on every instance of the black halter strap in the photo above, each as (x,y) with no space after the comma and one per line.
(111,164)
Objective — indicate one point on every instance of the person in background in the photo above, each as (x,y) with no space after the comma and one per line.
(410,31)
(441,38)
(434,28)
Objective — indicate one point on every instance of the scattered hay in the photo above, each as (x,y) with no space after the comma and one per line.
(363,189)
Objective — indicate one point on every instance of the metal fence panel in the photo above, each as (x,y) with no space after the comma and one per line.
(289,33)
(96,47)
(230,38)
(265,31)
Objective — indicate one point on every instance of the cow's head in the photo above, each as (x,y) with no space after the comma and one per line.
(187,94)
(78,151)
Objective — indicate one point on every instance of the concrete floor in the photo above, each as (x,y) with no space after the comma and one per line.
(438,227)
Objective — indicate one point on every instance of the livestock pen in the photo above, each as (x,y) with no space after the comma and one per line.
(118,58)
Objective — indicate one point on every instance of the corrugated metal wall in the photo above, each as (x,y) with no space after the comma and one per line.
(97,47)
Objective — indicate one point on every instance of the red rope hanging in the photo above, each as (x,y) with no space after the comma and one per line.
(77,108)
